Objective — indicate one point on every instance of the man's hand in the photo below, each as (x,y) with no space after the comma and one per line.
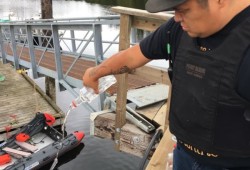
(121,62)
(89,80)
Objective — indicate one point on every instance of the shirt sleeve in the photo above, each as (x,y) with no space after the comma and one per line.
(154,45)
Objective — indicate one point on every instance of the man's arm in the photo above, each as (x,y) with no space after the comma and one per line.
(122,62)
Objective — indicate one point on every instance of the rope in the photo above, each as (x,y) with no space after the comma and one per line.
(13,116)
(7,129)
(36,98)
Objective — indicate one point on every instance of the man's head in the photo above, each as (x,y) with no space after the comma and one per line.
(199,18)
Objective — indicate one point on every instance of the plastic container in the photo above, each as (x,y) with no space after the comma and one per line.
(169,165)
(88,94)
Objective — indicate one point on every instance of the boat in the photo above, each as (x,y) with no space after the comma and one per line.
(22,152)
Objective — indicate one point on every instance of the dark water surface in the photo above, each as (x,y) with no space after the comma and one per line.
(94,153)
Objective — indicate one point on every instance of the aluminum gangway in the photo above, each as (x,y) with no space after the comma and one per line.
(62,48)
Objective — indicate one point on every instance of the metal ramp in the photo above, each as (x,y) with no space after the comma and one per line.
(61,48)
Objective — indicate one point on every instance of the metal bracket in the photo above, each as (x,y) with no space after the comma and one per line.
(132,116)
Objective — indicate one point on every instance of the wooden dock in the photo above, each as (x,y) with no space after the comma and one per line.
(20,99)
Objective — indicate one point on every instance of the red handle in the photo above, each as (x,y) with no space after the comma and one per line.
(4,159)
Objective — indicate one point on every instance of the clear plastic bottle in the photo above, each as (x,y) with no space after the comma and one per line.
(169,165)
(88,94)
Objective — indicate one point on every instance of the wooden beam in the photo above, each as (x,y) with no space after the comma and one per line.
(51,102)
(147,24)
(125,29)
(124,43)
(50,88)
(154,74)
(166,119)
(142,19)
(121,100)
(160,117)
(159,158)
(142,13)
(147,21)
(46,8)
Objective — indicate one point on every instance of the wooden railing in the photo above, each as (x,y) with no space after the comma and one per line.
(140,19)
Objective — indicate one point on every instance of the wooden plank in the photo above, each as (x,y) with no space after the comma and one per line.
(27,146)
(50,87)
(166,119)
(147,24)
(20,99)
(78,69)
(40,91)
(159,158)
(120,108)
(151,111)
(142,13)
(15,151)
(124,43)
(125,29)
(161,115)
(154,74)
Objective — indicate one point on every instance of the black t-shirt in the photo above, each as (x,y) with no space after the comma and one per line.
(154,47)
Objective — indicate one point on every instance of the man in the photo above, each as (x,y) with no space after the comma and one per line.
(210,56)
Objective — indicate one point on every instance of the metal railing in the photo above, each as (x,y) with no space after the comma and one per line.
(78,38)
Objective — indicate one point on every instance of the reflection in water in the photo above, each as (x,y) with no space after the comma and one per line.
(27,9)
(19,10)
(70,155)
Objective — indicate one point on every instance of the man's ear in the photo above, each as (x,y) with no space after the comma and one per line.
(217,4)
(221,2)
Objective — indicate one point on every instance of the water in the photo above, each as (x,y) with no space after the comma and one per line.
(95,153)
(27,9)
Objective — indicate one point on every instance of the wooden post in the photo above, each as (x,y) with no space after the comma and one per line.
(159,158)
(168,107)
(138,19)
(47,13)
(141,19)
(124,43)
(50,88)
